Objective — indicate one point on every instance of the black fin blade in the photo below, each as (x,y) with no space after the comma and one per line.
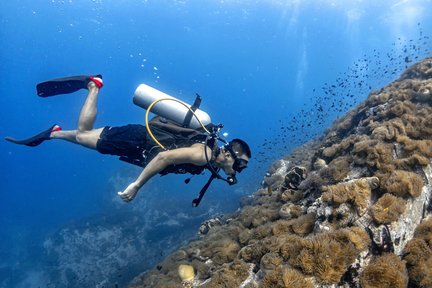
(62,86)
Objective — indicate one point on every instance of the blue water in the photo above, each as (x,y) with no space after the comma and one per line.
(275,73)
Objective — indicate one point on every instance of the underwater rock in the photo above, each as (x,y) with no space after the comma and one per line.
(275,177)
(294,177)
(290,210)
(209,224)
(360,216)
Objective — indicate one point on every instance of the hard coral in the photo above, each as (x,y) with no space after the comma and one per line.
(186,272)
(385,271)
(387,209)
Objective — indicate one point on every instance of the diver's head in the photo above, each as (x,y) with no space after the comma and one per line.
(233,157)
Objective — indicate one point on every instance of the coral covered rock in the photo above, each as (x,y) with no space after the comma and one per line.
(385,271)
(418,255)
(357,192)
(387,209)
(348,221)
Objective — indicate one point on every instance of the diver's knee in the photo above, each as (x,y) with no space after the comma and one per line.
(82,137)
(88,139)
(79,137)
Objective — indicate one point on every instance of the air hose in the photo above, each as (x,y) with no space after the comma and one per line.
(162,99)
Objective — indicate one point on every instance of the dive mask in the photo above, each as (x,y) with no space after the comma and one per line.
(239,164)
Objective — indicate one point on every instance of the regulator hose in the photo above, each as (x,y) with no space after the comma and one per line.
(176,100)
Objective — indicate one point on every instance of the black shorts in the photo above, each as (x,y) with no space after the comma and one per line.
(129,140)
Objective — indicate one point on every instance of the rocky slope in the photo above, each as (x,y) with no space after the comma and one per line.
(351,209)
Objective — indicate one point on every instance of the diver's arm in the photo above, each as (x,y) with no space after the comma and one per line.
(194,154)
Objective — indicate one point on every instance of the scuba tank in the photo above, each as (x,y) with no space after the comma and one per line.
(172,109)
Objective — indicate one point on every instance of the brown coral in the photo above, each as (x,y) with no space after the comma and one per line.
(387,209)
(385,271)
(273,279)
(223,251)
(270,261)
(294,279)
(418,255)
(254,216)
(229,275)
(423,147)
(291,195)
(374,154)
(290,210)
(340,148)
(403,184)
(356,191)
(285,277)
(388,130)
(302,226)
(325,256)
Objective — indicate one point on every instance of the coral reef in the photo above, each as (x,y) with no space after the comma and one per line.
(418,255)
(350,209)
(356,191)
(385,271)
(387,209)
(403,184)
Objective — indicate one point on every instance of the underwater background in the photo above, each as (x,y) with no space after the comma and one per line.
(275,73)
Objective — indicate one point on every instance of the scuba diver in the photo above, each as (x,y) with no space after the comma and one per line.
(183,149)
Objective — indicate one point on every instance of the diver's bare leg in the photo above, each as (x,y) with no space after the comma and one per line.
(85,135)
(88,112)
(69,136)
(87,139)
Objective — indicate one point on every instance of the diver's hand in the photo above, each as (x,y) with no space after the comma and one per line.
(129,193)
